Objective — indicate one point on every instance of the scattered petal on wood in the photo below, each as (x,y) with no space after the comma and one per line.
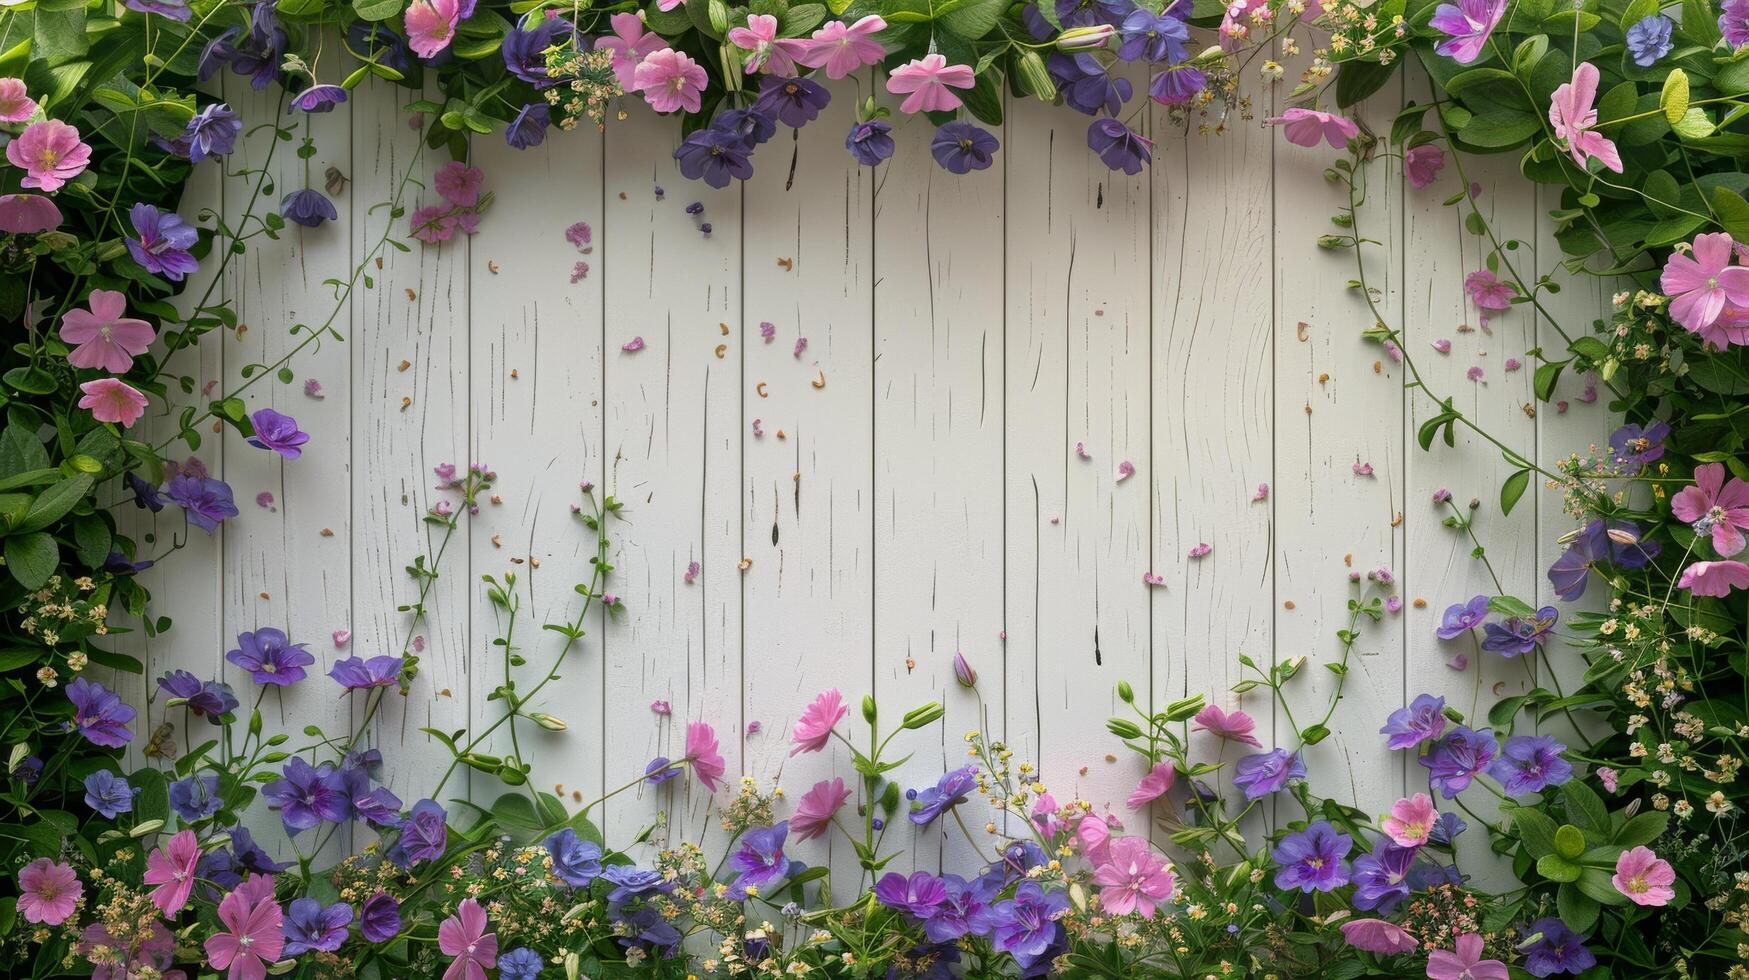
(491,267)
(1149,578)
(633,345)
(744,564)
(724,328)
(496,541)
(327,532)
(406,403)
(515,374)
(1201,550)
(758,429)
(760,388)
(1420,603)
(334,182)
(264,500)
(820,382)
(1125,470)
(1262,492)
(1361,469)
(1081,451)
(787,265)
(404,365)
(1287,604)
(1442,345)
(768,331)
(801,345)
(341,638)
(1475,373)
(721,350)
(497,499)
(1300,331)
(265,596)
(411,295)
(780,434)
(419,643)
(313,388)
(691,574)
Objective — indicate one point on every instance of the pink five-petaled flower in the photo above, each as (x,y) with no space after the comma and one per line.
(253,935)
(1466,963)
(1700,284)
(1422,165)
(630,44)
(113,401)
(48,892)
(816,808)
(50,153)
(1466,25)
(669,80)
(104,338)
(927,80)
(1572,114)
(1234,726)
(1411,820)
(1305,127)
(775,55)
(1377,936)
(431,25)
(171,868)
(1094,835)
(464,936)
(701,753)
(1715,578)
(842,48)
(1713,506)
(1133,878)
(1153,786)
(458,183)
(1487,291)
(818,719)
(1644,877)
(16,105)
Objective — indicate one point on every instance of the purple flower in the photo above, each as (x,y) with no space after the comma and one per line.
(1263,773)
(205,500)
(261,52)
(109,794)
(379,43)
(965,910)
(209,699)
(1530,764)
(318,98)
(520,964)
(760,859)
(357,673)
(1466,25)
(1086,86)
(1633,446)
(196,797)
(307,795)
(309,927)
(948,792)
(1560,950)
(379,807)
(212,132)
(576,862)
(380,918)
(1460,619)
(1619,542)
(529,128)
(794,101)
(1118,146)
(249,856)
(1519,636)
(99,714)
(278,432)
(162,248)
(1026,924)
(714,156)
(177,10)
(1381,879)
(918,895)
(525,50)
(1177,85)
(146,496)
(961,147)
(871,142)
(1151,36)
(660,770)
(1312,859)
(424,835)
(1734,23)
(218,52)
(1422,720)
(753,126)
(308,207)
(1456,759)
(630,881)
(1446,829)
(1649,39)
(270,658)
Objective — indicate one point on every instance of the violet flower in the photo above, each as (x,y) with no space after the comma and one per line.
(961,147)
(308,208)
(794,101)
(948,792)
(307,795)
(576,862)
(919,894)
(1560,950)
(1634,446)
(379,919)
(760,860)
(1118,146)
(1530,764)
(1457,758)
(1421,721)
(108,794)
(1026,925)
(714,156)
(196,797)
(357,673)
(99,714)
(212,132)
(1381,879)
(163,242)
(871,142)
(1520,636)
(1461,618)
(317,98)
(424,835)
(270,657)
(1263,773)
(310,927)
(278,432)
(529,128)
(1312,859)
(206,501)
(208,699)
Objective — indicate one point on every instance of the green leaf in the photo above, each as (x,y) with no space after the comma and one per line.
(1595,883)
(32,558)
(55,502)
(1673,97)
(377,10)
(1569,842)
(92,536)
(1536,830)
(21,451)
(1500,129)
(1578,911)
(1644,828)
(1554,868)
(1513,489)
(59,34)
(1694,124)
(1585,807)
(153,799)
(1732,209)
(984,99)
(800,19)
(1356,80)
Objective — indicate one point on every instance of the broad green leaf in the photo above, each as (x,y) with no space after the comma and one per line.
(32,558)
(1513,489)
(1569,842)
(1673,98)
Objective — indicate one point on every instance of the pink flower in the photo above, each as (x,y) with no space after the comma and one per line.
(815,725)
(842,48)
(1715,507)
(171,868)
(433,223)
(1466,25)
(48,892)
(1234,726)
(1644,877)
(1125,470)
(927,80)
(252,937)
(458,183)
(50,153)
(1700,285)
(113,401)
(1305,127)
(1153,786)
(28,214)
(1094,835)
(1466,963)
(1487,291)
(1133,878)
(1044,815)
(1475,373)
(1715,578)
(16,105)
(1261,494)
(669,80)
(1572,114)
(464,936)
(701,752)
(1377,936)
(771,53)
(630,44)
(1422,165)
(816,808)
(431,25)
(1411,820)
(1608,777)
(105,339)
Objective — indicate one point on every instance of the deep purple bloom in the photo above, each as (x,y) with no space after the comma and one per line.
(1456,759)
(369,761)
(146,496)
(208,699)
(1633,446)
(1381,879)
(357,673)
(318,98)
(1153,37)
(576,862)
(206,501)
(270,657)
(525,50)
(1467,25)
(660,770)
(1177,85)
(1422,720)
(109,794)
(260,53)
(196,797)
(1594,544)
(1649,39)
(379,807)
(529,128)
(99,714)
(965,910)
(794,101)
(212,132)
(1312,859)
(1461,618)
(1119,147)
(307,795)
(1560,950)
(870,142)
(630,881)
(1446,829)
(948,792)
(753,126)
(278,432)
(918,894)
(1530,764)
(177,10)
(249,856)
(1077,13)
(646,927)
(1086,86)
(961,147)
(1263,773)
(379,43)
(760,859)
(424,835)
(1520,636)
(380,918)
(162,248)
(714,156)
(217,52)
(1027,923)
(1015,861)
(308,207)
(28,770)
(309,926)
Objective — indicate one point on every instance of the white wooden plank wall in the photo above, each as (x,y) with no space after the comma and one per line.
(905,486)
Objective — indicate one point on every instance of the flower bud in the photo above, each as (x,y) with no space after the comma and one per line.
(548,722)
(868,708)
(1125,693)
(719,17)
(145,827)
(963,672)
(1085,38)
(1622,536)
(923,715)
(1030,69)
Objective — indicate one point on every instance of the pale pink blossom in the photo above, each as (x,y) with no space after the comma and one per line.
(1261,494)
(1715,507)
(458,183)
(50,153)
(1201,550)
(1466,963)
(1411,820)
(1361,469)
(670,80)
(1701,284)
(1715,578)
(1133,878)
(1094,835)
(431,25)
(171,867)
(633,345)
(769,53)
(701,752)
(1377,936)
(1148,578)
(111,400)
(1305,127)
(814,811)
(102,337)
(926,82)
(1573,114)
(1153,786)
(1487,291)
(1607,777)
(814,728)
(842,48)
(464,936)
(28,214)
(48,892)
(1234,726)
(1643,877)
(16,105)
(630,44)
(1422,165)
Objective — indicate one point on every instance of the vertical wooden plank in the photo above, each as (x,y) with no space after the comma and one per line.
(673,431)
(939,434)
(536,342)
(1077,373)
(409,398)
